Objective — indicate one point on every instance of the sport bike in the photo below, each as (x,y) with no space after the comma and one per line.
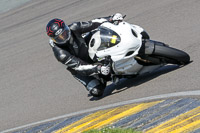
(129,51)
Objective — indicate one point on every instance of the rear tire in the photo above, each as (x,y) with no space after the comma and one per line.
(171,55)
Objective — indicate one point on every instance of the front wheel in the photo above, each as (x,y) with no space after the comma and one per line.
(171,55)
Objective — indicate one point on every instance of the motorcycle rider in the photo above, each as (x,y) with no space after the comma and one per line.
(71,49)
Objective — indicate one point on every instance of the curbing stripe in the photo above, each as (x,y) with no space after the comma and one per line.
(90,118)
(38,128)
(159,114)
(185,109)
(99,118)
(191,126)
(143,114)
(65,122)
(181,108)
(176,122)
(87,118)
(107,118)
(126,113)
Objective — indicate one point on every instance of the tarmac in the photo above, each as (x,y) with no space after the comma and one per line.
(6,5)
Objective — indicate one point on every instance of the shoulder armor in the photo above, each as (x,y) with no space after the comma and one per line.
(74,26)
(51,43)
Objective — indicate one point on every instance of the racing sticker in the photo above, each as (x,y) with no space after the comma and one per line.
(113,39)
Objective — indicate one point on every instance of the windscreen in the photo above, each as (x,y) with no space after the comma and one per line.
(109,38)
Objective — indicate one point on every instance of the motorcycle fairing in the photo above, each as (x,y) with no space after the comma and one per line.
(115,40)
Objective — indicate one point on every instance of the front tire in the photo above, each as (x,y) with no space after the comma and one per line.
(171,55)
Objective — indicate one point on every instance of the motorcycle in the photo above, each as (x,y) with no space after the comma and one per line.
(129,51)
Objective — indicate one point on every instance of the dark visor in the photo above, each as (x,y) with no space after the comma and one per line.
(63,37)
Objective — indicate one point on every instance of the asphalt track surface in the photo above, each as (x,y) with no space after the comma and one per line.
(34,86)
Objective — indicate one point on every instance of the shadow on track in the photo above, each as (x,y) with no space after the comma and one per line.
(125,84)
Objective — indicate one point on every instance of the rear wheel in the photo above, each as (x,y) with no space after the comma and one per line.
(171,55)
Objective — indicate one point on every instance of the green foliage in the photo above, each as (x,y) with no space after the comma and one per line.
(112,130)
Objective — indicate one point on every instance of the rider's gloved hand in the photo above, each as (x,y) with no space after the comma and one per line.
(104,70)
(117,17)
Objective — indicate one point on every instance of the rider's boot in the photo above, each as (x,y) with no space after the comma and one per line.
(96,88)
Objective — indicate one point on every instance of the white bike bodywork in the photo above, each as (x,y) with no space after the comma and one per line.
(122,42)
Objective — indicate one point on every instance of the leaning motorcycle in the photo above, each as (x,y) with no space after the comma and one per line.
(129,51)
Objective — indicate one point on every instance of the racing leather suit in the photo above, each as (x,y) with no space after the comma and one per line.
(74,54)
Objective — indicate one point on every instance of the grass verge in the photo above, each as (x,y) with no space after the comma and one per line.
(112,130)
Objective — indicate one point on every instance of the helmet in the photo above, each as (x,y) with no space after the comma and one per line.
(58,31)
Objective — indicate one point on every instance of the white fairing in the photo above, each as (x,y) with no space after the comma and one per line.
(122,42)
(118,52)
